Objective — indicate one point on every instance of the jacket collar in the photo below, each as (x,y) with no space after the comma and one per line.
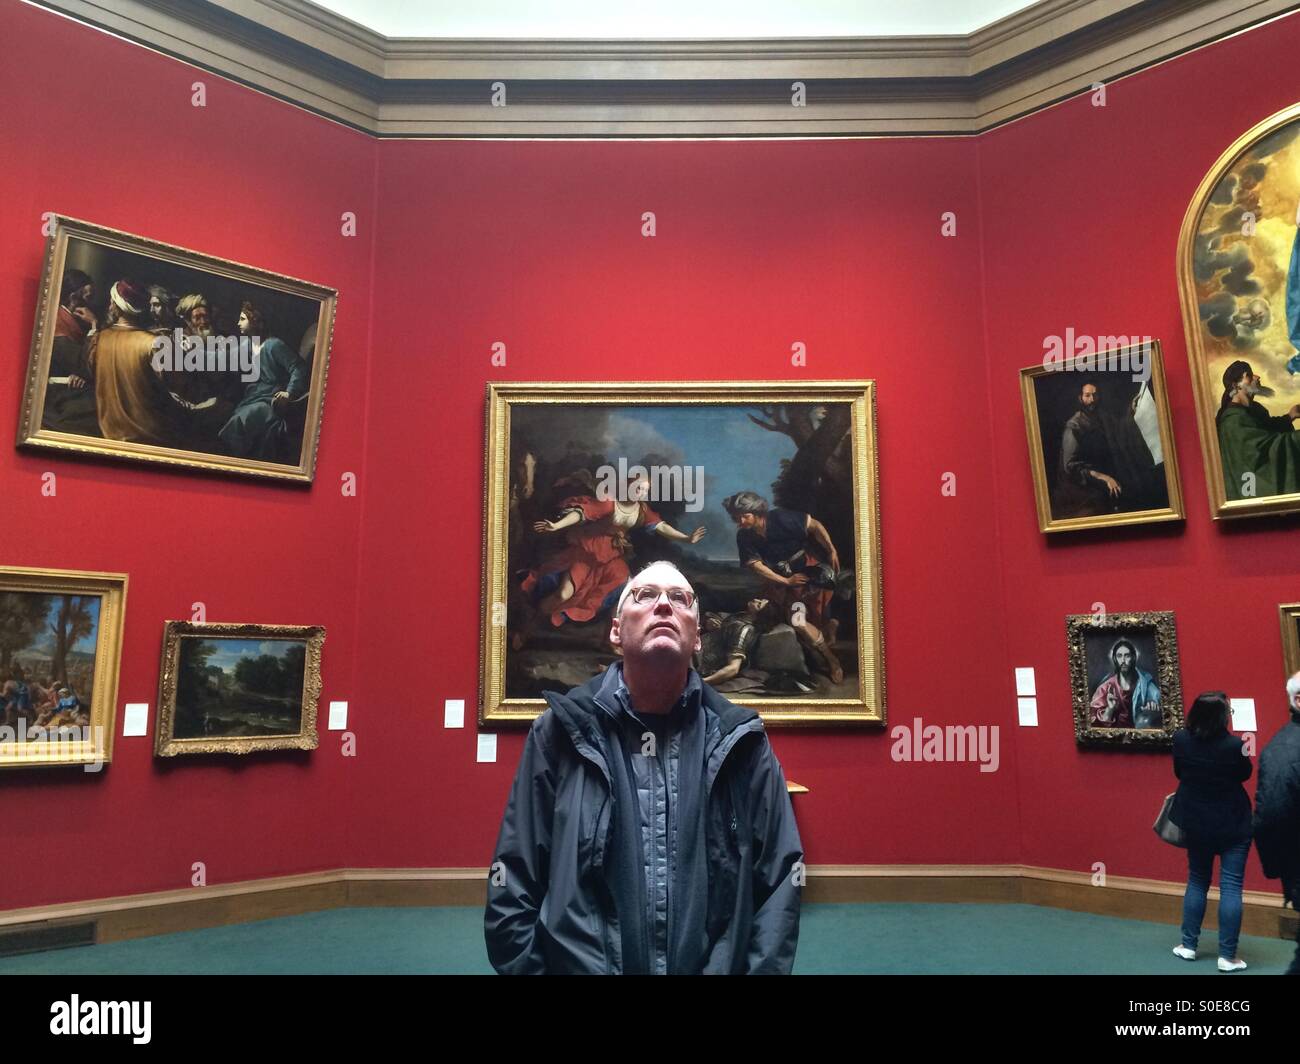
(581,710)
(614,698)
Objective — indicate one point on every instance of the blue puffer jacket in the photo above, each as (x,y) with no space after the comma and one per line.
(562,899)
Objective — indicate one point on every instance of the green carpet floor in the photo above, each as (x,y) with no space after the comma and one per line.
(849,939)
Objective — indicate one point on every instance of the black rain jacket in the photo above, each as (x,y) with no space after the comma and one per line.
(558,898)
(1211,806)
(1277,808)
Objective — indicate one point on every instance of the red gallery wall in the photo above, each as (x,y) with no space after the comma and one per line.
(1082,208)
(97,128)
(760,244)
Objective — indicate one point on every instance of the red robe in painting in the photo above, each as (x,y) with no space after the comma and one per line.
(595,555)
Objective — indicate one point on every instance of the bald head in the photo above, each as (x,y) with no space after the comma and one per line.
(661,574)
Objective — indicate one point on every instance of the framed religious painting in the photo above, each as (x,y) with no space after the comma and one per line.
(1125,678)
(764,495)
(1289,615)
(1239,281)
(153,353)
(1101,446)
(238,688)
(60,652)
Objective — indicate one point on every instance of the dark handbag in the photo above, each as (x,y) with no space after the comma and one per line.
(1166,828)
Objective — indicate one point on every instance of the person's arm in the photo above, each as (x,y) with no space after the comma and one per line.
(1076,469)
(771,575)
(817,531)
(663,528)
(568,520)
(299,376)
(777,882)
(1277,803)
(1242,767)
(732,668)
(521,863)
(1103,704)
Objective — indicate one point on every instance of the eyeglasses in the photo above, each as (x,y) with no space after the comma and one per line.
(678,596)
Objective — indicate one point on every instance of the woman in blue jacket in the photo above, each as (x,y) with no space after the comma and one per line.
(1213,810)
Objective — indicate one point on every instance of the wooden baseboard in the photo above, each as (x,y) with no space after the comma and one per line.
(164,912)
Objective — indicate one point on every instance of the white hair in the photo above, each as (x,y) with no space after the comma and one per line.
(627,590)
(189,303)
(1293,687)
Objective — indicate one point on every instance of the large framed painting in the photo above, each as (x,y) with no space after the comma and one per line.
(238,688)
(1125,678)
(763,494)
(1239,281)
(60,652)
(1289,615)
(153,353)
(1101,446)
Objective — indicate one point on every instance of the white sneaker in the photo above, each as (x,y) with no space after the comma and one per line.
(1185,953)
(1231,966)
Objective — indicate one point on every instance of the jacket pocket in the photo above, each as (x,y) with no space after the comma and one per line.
(723,846)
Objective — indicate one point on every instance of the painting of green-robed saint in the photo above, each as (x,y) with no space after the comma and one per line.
(1239,272)
(237,690)
(762,504)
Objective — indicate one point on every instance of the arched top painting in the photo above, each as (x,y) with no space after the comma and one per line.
(1239,280)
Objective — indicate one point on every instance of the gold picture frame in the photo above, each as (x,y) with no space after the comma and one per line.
(1289,615)
(63,412)
(1156,484)
(214,711)
(77,733)
(847,410)
(1093,644)
(1244,319)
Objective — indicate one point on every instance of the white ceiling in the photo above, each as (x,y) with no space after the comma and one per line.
(672,18)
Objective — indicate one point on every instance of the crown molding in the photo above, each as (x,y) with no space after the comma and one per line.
(424,87)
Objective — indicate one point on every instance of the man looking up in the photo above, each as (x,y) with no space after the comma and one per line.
(649,829)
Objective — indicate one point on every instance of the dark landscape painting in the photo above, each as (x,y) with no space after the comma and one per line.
(228,688)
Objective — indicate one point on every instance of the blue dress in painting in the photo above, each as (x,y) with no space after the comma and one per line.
(255,430)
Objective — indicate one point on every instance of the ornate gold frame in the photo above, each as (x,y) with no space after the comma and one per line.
(165,742)
(1220,505)
(111,589)
(1289,614)
(30,433)
(869,707)
(1170,682)
(1042,490)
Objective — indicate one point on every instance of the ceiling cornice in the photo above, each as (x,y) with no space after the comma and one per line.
(422,87)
